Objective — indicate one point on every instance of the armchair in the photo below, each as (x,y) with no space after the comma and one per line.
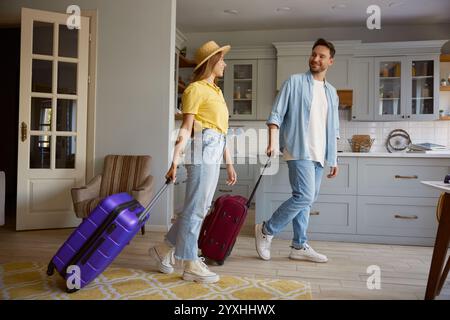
(120,174)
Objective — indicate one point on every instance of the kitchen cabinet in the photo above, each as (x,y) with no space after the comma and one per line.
(395,88)
(362,82)
(406,88)
(338,74)
(239,86)
(249,88)
(373,199)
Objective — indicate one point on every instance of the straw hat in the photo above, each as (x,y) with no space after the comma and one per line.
(206,51)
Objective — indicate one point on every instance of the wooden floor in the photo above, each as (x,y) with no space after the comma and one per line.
(404,269)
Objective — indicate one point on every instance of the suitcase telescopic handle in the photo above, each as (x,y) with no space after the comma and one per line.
(154,200)
(249,202)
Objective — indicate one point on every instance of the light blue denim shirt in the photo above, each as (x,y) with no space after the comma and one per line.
(291,111)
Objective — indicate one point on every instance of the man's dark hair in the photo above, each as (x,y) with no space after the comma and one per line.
(325,43)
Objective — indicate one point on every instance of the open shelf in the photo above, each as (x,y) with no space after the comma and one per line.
(185,62)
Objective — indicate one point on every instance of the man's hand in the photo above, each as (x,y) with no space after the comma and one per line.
(333,172)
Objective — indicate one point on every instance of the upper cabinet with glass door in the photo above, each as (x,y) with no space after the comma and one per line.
(239,87)
(406,88)
(389,94)
(424,88)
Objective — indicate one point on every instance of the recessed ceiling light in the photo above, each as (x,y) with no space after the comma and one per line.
(283,9)
(339,6)
(231,11)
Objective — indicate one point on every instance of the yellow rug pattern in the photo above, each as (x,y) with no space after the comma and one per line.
(28,280)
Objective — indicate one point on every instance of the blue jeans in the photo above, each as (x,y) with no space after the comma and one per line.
(201,184)
(305,177)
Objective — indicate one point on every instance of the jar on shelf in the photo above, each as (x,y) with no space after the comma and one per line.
(248,94)
(237,93)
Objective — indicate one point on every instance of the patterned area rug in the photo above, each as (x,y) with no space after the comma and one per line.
(28,280)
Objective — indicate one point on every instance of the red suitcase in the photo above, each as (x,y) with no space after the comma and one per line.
(222,225)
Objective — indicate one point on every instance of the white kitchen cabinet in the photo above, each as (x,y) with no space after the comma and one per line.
(266,89)
(239,86)
(289,65)
(362,83)
(395,88)
(339,73)
(373,200)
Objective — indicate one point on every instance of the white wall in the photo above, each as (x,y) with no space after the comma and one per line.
(135,67)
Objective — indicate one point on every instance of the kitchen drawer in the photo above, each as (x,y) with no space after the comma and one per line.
(243,171)
(236,190)
(343,184)
(329,214)
(397,216)
(400,176)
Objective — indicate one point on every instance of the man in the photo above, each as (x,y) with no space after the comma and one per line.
(306,112)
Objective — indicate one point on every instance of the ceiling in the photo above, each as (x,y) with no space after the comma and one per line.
(209,15)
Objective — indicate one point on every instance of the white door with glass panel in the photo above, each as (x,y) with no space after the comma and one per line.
(52,119)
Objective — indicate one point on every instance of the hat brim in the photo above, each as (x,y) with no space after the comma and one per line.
(225,49)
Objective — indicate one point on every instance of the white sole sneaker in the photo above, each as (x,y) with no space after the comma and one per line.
(161,267)
(193,277)
(258,232)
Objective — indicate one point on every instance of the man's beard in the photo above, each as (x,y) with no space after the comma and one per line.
(318,69)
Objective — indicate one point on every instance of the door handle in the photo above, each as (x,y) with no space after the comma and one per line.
(314,213)
(23,131)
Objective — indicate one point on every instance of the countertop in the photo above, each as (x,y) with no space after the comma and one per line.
(367,154)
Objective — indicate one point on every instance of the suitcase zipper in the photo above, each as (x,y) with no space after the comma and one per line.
(93,238)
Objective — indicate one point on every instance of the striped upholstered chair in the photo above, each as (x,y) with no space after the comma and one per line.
(121,173)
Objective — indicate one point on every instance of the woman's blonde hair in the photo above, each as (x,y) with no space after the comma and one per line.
(205,70)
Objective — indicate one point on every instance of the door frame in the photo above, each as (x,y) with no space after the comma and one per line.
(92,93)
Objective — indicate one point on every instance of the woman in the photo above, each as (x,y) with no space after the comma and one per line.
(204,105)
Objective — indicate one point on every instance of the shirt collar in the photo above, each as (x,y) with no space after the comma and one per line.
(212,85)
(311,78)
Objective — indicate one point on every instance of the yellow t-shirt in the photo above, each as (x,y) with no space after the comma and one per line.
(206,101)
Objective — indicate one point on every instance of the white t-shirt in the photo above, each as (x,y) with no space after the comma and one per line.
(317,125)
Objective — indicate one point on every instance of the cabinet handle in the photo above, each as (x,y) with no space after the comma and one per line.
(406,177)
(314,213)
(225,190)
(398,216)
(223,168)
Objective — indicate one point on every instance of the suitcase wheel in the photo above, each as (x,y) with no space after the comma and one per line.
(221,262)
(50,269)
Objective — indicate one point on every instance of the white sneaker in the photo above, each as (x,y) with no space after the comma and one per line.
(164,257)
(198,271)
(307,253)
(263,242)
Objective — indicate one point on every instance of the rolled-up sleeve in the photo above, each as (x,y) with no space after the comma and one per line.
(281,105)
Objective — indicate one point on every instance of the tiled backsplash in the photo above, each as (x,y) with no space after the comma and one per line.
(419,131)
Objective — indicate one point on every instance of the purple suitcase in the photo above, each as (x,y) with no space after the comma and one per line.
(101,237)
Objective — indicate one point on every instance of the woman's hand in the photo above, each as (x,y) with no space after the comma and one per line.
(172,173)
(232,176)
